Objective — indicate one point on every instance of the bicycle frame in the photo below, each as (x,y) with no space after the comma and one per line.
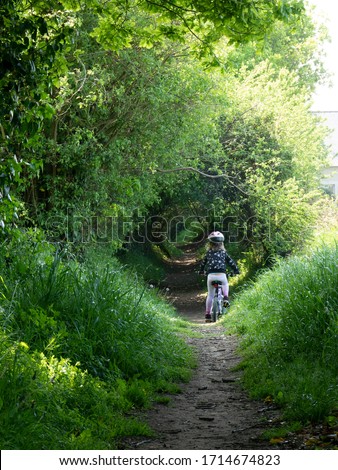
(217,302)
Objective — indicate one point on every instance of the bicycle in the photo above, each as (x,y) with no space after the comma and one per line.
(217,308)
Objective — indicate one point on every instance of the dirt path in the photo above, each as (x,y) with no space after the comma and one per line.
(212,412)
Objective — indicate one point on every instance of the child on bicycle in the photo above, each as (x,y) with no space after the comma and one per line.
(214,265)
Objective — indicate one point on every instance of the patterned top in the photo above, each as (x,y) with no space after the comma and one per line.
(217,261)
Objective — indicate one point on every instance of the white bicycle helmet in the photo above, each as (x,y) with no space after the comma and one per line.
(216,237)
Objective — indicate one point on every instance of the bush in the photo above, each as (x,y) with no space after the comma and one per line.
(48,403)
(81,344)
(288,320)
(145,261)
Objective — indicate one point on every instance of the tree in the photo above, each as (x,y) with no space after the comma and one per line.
(117,121)
(203,20)
(35,38)
(32,42)
(295,46)
(273,150)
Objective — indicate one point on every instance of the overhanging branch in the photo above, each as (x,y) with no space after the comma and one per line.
(196,170)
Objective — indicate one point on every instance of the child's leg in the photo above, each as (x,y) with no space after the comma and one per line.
(208,302)
(225,288)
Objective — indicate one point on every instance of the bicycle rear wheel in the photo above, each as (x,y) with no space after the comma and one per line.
(214,310)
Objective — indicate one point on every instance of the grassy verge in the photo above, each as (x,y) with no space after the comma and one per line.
(81,344)
(148,260)
(288,323)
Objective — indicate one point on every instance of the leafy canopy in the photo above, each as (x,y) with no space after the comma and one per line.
(36,38)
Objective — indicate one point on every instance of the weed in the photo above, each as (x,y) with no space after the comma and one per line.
(163,400)
(282,431)
(81,344)
(288,324)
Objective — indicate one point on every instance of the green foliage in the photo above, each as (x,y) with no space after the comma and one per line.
(113,121)
(93,314)
(283,431)
(273,153)
(288,323)
(100,98)
(37,39)
(199,20)
(326,231)
(295,46)
(48,403)
(81,344)
(148,259)
(284,216)
(32,40)
(147,264)
(150,109)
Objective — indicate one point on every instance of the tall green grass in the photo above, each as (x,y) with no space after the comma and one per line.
(81,344)
(148,260)
(288,322)
(48,403)
(145,261)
